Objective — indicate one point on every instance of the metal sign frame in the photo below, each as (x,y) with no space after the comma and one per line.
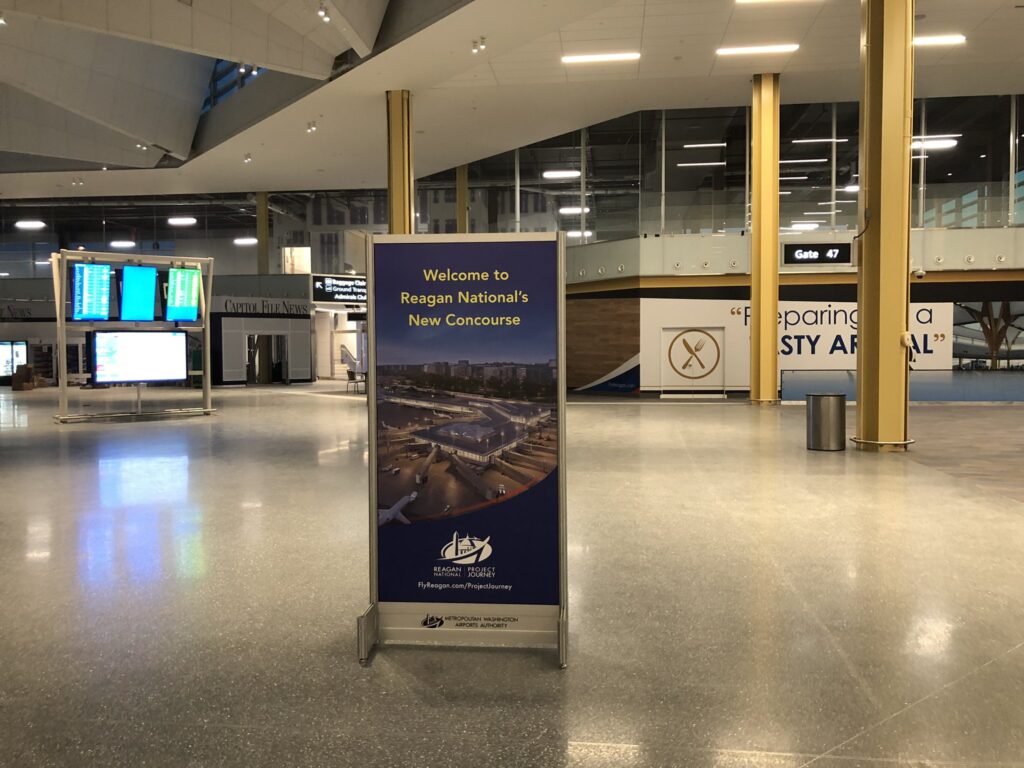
(59,263)
(369,628)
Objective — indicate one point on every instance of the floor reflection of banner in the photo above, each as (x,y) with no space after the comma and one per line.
(467,437)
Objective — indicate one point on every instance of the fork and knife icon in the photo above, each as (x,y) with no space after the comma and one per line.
(694,353)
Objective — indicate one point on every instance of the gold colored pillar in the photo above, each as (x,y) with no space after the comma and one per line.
(462,199)
(764,242)
(264,344)
(886,127)
(262,233)
(400,179)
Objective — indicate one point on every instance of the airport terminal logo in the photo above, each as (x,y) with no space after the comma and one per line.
(432,622)
(694,354)
(466,550)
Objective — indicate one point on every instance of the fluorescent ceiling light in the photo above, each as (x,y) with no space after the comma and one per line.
(939,136)
(933,144)
(820,141)
(561,174)
(793,178)
(930,40)
(756,49)
(572,210)
(851,188)
(595,58)
(698,165)
(919,157)
(704,146)
(31,224)
(806,226)
(42,263)
(806,160)
(819,213)
(122,243)
(246,241)
(5,274)
(574,233)
(181,221)
(785,192)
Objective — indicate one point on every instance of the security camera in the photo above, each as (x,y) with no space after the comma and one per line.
(919,273)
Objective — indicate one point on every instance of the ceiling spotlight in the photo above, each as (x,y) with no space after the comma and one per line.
(241,69)
(255,71)
(311,127)
(327,19)
(3,20)
(483,43)
(476,46)
(181,221)
(29,224)
(104,168)
(322,12)
(247,158)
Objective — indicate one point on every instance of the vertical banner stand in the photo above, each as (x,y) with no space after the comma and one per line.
(466,395)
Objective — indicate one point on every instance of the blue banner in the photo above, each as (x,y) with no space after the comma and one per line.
(467,475)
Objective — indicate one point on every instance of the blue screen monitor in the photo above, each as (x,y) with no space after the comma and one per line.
(138,293)
(91,287)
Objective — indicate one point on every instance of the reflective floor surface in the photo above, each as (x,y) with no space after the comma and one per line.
(184,593)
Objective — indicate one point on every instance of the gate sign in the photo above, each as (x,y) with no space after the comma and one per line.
(822,253)
(466,423)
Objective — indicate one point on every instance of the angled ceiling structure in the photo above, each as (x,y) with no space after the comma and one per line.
(468,106)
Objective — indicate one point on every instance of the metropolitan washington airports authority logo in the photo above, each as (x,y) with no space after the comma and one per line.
(694,353)
(432,622)
(466,550)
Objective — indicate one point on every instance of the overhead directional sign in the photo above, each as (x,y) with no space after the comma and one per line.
(343,289)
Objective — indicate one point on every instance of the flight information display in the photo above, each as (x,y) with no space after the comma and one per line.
(183,295)
(91,290)
(126,357)
(138,293)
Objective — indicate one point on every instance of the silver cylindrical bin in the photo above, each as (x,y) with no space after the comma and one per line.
(826,422)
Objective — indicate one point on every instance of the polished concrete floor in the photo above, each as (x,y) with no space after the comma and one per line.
(184,593)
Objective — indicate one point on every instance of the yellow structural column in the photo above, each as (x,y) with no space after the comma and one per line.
(764,242)
(400,178)
(886,127)
(264,343)
(462,198)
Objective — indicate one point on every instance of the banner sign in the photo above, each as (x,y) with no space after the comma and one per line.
(466,423)
(813,336)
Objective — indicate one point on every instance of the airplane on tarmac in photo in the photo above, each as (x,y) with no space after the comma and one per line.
(394,512)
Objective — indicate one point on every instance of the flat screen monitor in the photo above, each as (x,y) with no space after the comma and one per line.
(126,357)
(6,359)
(183,295)
(138,293)
(91,288)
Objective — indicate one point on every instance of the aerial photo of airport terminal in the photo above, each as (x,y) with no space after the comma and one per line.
(453,437)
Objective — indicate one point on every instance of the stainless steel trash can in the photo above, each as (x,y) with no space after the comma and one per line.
(826,422)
